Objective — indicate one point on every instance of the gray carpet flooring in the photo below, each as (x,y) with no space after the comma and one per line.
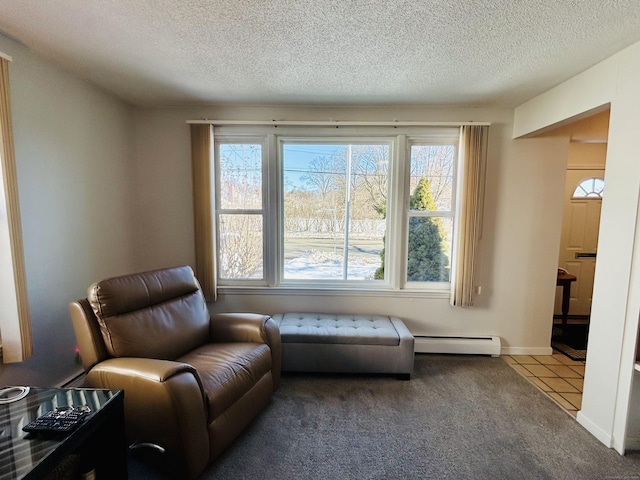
(460,417)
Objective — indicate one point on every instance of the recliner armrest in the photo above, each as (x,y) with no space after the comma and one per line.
(148,368)
(250,327)
(164,404)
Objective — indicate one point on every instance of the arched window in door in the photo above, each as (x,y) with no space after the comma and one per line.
(590,188)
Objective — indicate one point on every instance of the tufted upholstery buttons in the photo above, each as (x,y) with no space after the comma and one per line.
(321,342)
(336,328)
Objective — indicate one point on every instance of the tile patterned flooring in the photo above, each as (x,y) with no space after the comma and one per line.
(556,375)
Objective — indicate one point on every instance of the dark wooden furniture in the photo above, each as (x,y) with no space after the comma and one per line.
(97,443)
(564,280)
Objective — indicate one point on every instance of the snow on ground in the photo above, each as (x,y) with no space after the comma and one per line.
(322,265)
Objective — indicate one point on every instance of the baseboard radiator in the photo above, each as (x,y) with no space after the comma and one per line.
(480,345)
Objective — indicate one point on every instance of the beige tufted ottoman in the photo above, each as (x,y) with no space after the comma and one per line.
(319,342)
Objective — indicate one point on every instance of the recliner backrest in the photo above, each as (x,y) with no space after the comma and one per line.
(87,329)
(158,314)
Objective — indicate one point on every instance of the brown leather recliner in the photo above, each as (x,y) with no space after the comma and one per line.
(192,382)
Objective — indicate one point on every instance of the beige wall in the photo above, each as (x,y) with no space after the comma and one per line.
(74,148)
(519,248)
(616,298)
(106,189)
(589,136)
(587,155)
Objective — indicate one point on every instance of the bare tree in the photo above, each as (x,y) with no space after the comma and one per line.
(240,246)
(299,210)
(241,176)
(435,162)
(370,171)
(325,175)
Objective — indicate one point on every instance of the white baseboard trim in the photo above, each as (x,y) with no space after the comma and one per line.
(595,430)
(526,351)
(458,345)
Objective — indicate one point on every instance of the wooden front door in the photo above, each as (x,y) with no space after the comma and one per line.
(579,239)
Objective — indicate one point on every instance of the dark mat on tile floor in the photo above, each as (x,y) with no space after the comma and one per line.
(572,353)
(571,340)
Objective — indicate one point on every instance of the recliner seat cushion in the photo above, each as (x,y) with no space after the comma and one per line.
(228,371)
(159,314)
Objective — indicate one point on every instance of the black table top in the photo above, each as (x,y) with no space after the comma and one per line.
(21,454)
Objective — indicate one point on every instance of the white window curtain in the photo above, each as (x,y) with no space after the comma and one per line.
(202,158)
(15,321)
(471,175)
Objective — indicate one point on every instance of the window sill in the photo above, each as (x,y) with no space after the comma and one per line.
(333,291)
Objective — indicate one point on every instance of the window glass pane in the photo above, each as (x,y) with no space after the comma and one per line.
(598,186)
(429,249)
(433,165)
(334,229)
(590,188)
(368,209)
(240,246)
(240,172)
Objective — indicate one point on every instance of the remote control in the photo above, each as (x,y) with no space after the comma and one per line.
(61,420)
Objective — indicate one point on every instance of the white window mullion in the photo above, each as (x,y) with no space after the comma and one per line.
(396,244)
(272,211)
(347,215)
(277,219)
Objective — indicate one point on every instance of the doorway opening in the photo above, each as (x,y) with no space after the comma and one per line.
(584,190)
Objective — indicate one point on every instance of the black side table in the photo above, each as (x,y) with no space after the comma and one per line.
(564,280)
(99,442)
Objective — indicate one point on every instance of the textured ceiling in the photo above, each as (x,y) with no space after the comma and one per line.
(423,52)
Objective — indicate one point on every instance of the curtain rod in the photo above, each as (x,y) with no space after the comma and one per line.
(335,123)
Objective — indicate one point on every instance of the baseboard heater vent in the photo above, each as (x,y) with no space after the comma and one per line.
(469,345)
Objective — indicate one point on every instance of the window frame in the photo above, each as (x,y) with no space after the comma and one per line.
(400,141)
(408,213)
(249,139)
(329,140)
(597,195)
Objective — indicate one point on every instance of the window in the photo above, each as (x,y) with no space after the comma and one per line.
(334,203)
(240,211)
(431,203)
(372,209)
(590,188)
